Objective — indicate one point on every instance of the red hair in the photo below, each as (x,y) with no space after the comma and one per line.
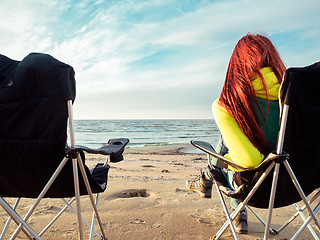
(251,53)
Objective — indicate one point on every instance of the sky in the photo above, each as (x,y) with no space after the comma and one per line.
(154,59)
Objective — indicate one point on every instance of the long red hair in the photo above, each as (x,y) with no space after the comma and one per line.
(251,53)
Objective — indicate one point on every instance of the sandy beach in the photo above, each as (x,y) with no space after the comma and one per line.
(146,199)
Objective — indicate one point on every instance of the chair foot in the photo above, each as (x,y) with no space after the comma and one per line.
(273,231)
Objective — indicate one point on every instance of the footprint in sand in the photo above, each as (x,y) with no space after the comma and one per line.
(209,216)
(47,209)
(130,193)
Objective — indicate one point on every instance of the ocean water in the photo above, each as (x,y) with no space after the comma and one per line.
(95,133)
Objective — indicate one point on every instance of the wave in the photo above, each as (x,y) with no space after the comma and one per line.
(95,133)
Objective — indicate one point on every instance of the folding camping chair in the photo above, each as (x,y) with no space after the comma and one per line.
(298,149)
(36,96)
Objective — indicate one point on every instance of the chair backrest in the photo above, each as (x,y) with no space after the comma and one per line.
(300,91)
(33,121)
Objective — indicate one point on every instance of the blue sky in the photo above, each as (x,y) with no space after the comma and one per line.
(158,58)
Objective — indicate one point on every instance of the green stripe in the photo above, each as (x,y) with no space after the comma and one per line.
(271,127)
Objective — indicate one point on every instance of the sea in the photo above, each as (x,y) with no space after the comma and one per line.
(143,133)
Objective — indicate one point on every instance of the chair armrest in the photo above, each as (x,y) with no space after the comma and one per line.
(114,148)
(207,148)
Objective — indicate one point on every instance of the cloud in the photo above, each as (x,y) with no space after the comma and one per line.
(129,47)
(25,26)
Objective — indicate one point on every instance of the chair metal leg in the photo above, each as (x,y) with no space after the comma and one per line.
(313,233)
(9,220)
(77,196)
(75,169)
(41,195)
(84,175)
(56,217)
(68,204)
(283,125)
(271,202)
(297,213)
(304,198)
(253,190)
(230,218)
(272,231)
(307,221)
(93,222)
(18,220)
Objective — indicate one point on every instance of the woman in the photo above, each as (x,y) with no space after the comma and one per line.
(247,112)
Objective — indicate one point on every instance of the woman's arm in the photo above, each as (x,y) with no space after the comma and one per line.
(241,150)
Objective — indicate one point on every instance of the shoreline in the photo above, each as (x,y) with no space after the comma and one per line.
(164,149)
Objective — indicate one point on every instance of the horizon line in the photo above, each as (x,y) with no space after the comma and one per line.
(85,119)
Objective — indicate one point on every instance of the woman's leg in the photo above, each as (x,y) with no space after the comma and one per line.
(230,177)
(215,162)
(202,184)
(240,221)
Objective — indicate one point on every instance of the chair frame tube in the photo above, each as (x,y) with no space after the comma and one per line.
(9,219)
(299,212)
(283,125)
(242,204)
(293,178)
(68,204)
(41,195)
(307,221)
(229,218)
(77,196)
(76,179)
(57,216)
(292,175)
(94,220)
(84,175)
(75,170)
(272,231)
(18,220)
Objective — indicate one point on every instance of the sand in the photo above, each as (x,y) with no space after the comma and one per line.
(146,199)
